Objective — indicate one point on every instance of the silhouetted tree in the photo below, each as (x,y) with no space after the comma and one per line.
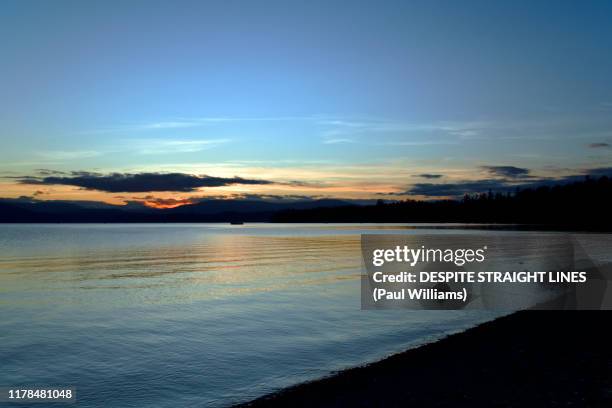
(584,205)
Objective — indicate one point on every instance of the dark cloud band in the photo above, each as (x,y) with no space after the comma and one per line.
(599,145)
(140,182)
(507,171)
(458,189)
(498,185)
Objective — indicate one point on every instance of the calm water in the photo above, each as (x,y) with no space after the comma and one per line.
(193,314)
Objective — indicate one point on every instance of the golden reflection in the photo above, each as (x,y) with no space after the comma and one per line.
(227,265)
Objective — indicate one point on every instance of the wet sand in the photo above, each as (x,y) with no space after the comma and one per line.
(528,359)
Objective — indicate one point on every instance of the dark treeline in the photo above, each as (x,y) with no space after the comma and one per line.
(582,205)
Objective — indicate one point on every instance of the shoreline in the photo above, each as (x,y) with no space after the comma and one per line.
(475,226)
(525,359)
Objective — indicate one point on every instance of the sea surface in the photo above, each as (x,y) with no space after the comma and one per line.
(198,315)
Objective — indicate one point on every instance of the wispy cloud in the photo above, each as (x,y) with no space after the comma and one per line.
(178,123)
(450,132)
(417,143)
(162,146)
(338,141)
(605,106)
(61,155)
(166,125)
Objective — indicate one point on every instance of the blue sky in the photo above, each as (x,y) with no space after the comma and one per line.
(348,98)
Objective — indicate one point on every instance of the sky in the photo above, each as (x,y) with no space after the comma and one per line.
(178,100)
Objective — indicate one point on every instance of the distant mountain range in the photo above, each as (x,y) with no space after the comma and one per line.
(214,210)
(572,205)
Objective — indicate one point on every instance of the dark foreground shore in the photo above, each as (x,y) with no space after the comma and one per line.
(528,359)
